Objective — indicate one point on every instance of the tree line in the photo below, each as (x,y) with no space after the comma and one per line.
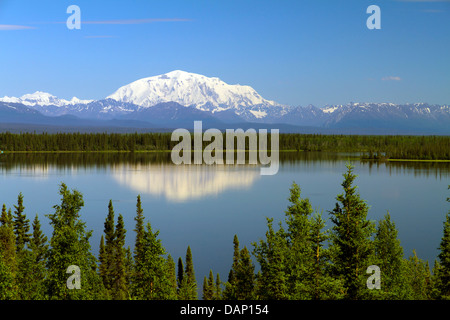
(297,260)
(375,147)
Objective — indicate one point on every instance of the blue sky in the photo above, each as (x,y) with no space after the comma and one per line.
(294,52)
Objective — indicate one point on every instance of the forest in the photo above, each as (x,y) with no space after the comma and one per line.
(369,146)
(297,260)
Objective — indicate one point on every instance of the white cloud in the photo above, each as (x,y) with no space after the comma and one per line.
(391,78)
(134,21)
(9,27)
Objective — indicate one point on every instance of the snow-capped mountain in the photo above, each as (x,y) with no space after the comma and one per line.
(177,98)
(40,98)
(190,89)
(385,114)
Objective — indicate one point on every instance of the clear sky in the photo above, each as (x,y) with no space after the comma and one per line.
(294,52)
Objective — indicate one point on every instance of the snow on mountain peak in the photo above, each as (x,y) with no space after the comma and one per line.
(189,89)
(41,98)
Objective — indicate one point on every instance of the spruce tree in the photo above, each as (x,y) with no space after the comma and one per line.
(102,260)
(171,271)
(435,293)
(25,275)
(8,241)
(208,287)
(119,273)
(154,281)
(7,286)
(31,272)
(323,285)
(138,248)
(230,287)
(388,256)
(187,285)
(444,259)
(245,276)
(69,246)
(294,263)
(108,255)
(6,217)
(21,224)
(418,278)
(139,218)
(270,253)
(8,257)
(299,252)
(190,275)
(206,292)
(129,269)
(24,257)
(180,273)
(183,292)
(38,242)
(218,289)
(351,238)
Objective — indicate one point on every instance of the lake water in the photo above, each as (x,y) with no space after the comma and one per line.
(205,206)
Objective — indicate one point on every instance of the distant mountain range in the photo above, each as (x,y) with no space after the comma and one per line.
(176,99)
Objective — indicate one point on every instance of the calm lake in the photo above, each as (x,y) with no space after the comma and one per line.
(205,206)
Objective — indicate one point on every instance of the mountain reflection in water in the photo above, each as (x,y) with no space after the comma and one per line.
(181,183)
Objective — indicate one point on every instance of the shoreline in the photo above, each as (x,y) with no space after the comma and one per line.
(168,151)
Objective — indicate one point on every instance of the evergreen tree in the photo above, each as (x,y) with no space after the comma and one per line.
(6,217)
(217,289)
(323,285)
(294,263)
(154,281)
(119,273)
(244,276)
(69,246)
(418,278)
(107,261)
(389,258)
(206,295)
(138,247)
(230,287)
(38,242)
(180,273)
(8,241)
(444,259)
(187,285)
(435,293)
(171,272)
(31,271)
(25,276)
(8,257)
(190,275)
(299,251)
(350,239)
(102,261)
(21,225)
(129,269)
(139,230)
(7,286)
(208,287)
(271,256)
